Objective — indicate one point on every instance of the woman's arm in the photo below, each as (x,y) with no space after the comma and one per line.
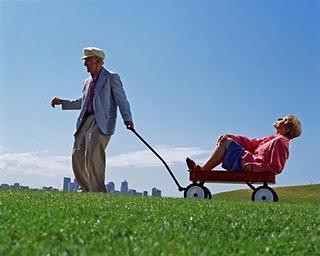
(247,143)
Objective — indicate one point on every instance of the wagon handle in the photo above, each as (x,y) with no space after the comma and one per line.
(160,158)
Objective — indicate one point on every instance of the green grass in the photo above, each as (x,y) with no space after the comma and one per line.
(57,223)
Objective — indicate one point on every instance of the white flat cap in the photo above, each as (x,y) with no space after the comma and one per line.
(92,51)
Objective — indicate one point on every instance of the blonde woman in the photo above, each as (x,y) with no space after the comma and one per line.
(239,153)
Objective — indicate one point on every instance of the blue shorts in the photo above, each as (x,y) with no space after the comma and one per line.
(232,158)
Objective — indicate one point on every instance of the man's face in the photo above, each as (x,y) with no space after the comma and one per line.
(92,64)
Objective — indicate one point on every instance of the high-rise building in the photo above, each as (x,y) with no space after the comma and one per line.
(124,187)
(71,187)
(76,185)
(66,182)
(156,192)
(110,187)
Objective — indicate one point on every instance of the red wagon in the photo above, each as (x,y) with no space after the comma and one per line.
(198,178)
(261,193)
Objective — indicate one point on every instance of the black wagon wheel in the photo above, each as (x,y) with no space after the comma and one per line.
(195,191)
(264,194)
(208,193)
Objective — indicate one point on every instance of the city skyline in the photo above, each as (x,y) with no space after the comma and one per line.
(17,185)
(68,186)
(111,188)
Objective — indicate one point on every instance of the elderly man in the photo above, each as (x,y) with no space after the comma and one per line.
(102,94)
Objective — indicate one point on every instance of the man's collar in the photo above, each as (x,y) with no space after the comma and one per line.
(96,78)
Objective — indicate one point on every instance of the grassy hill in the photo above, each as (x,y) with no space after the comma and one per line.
(301,193)
(58,223)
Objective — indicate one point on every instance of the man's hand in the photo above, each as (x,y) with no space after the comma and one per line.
(56,101)
(129,124)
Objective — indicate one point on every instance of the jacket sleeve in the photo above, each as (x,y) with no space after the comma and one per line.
(71,104)
(120,97)
(74,104)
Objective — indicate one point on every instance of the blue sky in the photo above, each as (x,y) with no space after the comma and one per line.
(192,70)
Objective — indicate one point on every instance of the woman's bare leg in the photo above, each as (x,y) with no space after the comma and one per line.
(217,155)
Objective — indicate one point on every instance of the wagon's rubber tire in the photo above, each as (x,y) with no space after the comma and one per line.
(264,194)
(195,191)
(208,193)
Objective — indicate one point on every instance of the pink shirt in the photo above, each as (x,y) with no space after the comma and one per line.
(265,154)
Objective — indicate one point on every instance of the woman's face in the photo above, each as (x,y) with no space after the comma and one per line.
(281,126)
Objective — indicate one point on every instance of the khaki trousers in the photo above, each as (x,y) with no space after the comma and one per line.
(88,156)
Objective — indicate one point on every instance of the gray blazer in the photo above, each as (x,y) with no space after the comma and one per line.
(108,96)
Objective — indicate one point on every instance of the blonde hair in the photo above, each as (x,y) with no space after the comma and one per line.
(293,125)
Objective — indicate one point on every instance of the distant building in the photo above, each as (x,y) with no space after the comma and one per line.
(132,192)
(66,182)
(145,193)
(48,188)
(71,187)
(16,185)
(110,187)
(124,187)
(3,185)
(156,192)
(76,185)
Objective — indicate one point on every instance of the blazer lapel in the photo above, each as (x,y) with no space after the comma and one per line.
(87,86)
(101,80)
